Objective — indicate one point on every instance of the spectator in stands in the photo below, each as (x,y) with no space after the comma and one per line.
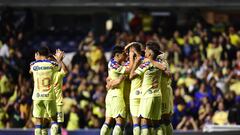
(187,123)
(220,117)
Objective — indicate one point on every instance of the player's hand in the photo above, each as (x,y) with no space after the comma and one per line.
(107,86)
(59,55)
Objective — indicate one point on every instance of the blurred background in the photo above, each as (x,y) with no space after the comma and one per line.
(201,37)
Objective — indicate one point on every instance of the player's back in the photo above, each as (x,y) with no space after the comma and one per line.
(43,73)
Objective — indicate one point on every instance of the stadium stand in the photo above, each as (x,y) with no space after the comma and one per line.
(205,61)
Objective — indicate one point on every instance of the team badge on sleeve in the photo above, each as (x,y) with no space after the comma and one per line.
(145,64)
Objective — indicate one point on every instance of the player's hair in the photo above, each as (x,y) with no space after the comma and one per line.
(117,50)
(137,47)
(43,51)
(154,47)
(51,57)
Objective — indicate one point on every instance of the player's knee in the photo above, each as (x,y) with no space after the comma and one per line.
(145,121)
(38,121)
(136,120)
(119,120)
(108,120)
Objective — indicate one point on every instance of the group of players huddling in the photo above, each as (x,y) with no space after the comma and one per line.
(138,85)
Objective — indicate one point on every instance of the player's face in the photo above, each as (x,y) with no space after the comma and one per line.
(37,56)
(122,57)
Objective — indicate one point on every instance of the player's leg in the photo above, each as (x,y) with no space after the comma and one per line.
(158,128)
(144,112)
(119,126)
(38,126)
(60,118)
(38,112)
(106,128)
(156,115)
(136,125)
(45,124)
(167,125)
(119,113)
(134,109)
(51,109)
(145,123)
(169,129)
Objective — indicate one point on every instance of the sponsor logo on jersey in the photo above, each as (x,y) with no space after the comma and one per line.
(42,95)
(36,68)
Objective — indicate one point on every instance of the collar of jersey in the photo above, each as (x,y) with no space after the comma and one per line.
(46,60)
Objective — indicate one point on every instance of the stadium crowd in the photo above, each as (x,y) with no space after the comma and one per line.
(205,66)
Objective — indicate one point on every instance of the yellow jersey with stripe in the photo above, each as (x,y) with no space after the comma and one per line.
(58,82)
(115,70)
(43,75)
(151,80)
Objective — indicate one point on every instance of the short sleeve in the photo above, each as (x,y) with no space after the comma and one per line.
(117,67)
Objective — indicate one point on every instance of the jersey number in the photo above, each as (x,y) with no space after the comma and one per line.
(44,83)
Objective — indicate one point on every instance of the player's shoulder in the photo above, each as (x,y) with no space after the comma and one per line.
(44,62)
(145,64)
(113,64)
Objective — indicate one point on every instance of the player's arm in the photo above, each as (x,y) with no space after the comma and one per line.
(131,61)
(114,83)
(59,55)
(133,74)
(161,66)
(64,68)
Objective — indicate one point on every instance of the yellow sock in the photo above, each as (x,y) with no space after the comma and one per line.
(136,129)
(145,130)
(117,130)
(169,129)
(44,131)
(105,130)
(37,130)
(54,129)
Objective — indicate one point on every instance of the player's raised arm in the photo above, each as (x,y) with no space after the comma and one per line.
(131,60)
(63,66)
(59,55)
(135,66)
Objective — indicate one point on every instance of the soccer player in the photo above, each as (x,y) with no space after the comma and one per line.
(149,110)
(167,100)
(167,94)
(58,82)
(115,104)
(135,91)
(44,99)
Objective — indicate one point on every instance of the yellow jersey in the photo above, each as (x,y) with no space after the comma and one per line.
(43,74)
